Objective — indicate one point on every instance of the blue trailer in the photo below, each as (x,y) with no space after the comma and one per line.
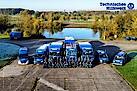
(41,54)
(23,56)
(16,35)
(102,56)
(120,58)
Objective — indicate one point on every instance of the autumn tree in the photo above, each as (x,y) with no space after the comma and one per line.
(36,15)
(95,23)
(42,15)
(28,25)
(128,23)
(111,17)
(4,23)
(119,20)
(37,26)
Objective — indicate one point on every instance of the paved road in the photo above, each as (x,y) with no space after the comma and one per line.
(101,77)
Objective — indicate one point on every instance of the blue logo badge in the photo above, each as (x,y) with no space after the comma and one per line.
(130,6)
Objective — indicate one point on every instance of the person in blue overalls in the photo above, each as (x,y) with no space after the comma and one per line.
(45,63)
(72,62)
(87,63)
(49,64)
(82,62)
(79,62)
(57,65)
(69,63)
(61,65)
(65,64)
(52,64)
(90,65)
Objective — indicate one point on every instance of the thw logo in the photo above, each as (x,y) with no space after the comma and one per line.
(130,6)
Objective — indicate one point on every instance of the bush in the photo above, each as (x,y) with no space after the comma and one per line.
(111,38)
(7,32)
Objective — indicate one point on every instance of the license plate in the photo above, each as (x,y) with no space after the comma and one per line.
(117,61)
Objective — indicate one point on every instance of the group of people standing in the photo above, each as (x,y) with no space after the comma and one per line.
(85,62)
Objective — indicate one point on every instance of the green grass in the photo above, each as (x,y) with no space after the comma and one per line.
(77,25)
(4,36)
(14,22)
(84,21)
(6,62)
(129,70)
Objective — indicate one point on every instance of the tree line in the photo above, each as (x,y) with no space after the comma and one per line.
(122,23)
(118,25)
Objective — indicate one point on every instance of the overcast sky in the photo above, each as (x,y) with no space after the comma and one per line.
(60,5)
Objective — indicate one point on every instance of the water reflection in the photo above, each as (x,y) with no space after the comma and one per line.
(53,31)
(77,33)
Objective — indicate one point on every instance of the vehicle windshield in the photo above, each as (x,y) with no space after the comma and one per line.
(54,53)
(119,58)
(87,52)
(39,56)
(23,56)
(71,53)
(103,56)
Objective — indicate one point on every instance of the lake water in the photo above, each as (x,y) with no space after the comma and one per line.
(77,33)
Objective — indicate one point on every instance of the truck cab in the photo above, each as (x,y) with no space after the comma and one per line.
(55,50)
(70,48)
(40,54)
(102,56)
(55,55)
(120,58)
(85,50)
(23,56)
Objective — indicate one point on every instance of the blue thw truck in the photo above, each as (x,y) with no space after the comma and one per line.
(120,58)
(41,54)
(16,35)
(86,53)
(55,55)
(102,56)
(23,56)
(70,51)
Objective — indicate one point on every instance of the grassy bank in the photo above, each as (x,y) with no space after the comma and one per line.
(84,21)
(77,25)
(129,70)
(7,62)
(4,36)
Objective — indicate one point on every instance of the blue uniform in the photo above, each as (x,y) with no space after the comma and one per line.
(61,65)
(80,64)
(65,65)
(85,59)
(58,65)
(49,65)
(90,65)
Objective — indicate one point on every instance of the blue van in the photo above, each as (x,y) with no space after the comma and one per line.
(23,56)
(102,56)
(120,58)
(41,53)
